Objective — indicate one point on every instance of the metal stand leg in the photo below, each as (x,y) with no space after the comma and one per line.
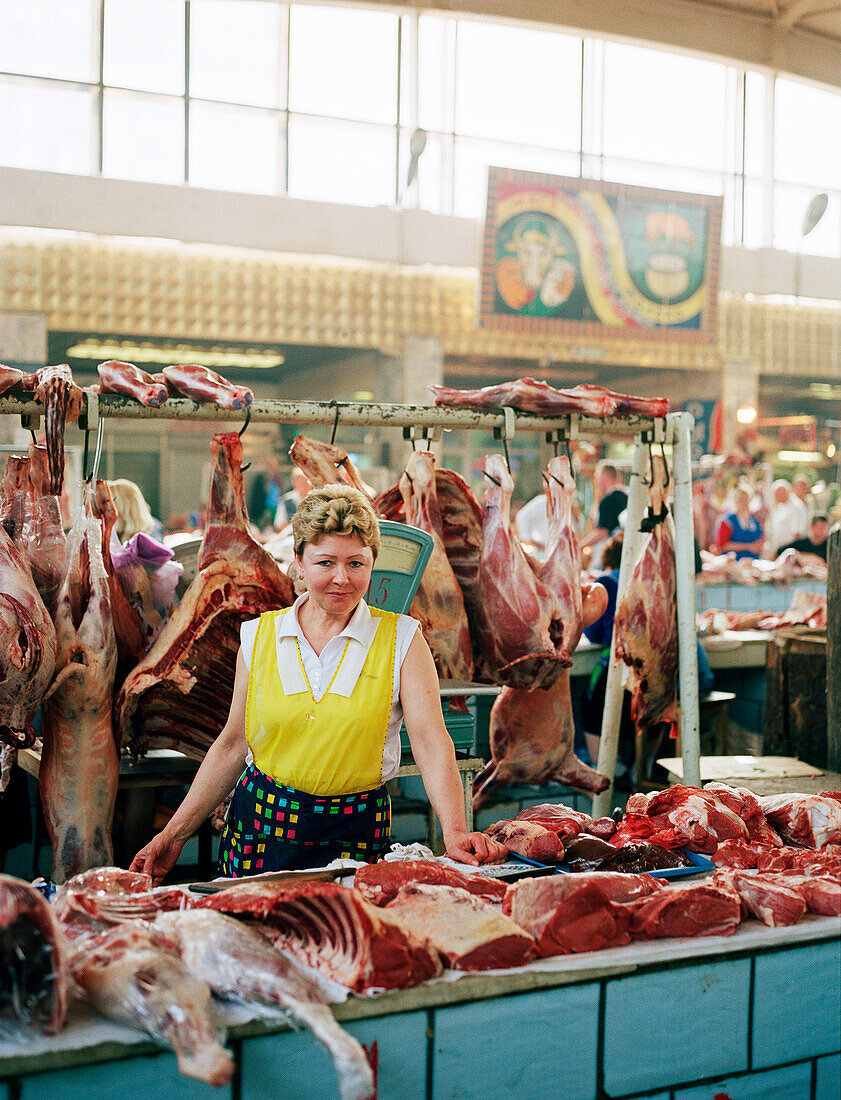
(637,496)
(681,425)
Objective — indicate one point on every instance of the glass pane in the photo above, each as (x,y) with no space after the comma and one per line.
(664,107)
(341,162)
(235,52)
(50,38)
(790,205)
(514,84)
(754,124)
(472,159)
(343,62)
(144,45)
(662,175)
(436,69)
(807,125)
(753,233)
(143,138)
(233,148)
(47,127)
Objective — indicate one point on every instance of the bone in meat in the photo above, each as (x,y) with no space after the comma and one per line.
(11,378)
(379,882)
(27,647)
(531,738)
(127,379)
(201,384)
(133,974)
(180,692)
(628,403)
(529,395)
(324,463)
(438,602)
(561,571)
(520,617)
(239,963)
(43,532)
(33,958)
(62,401)
(79,764)
(645,625)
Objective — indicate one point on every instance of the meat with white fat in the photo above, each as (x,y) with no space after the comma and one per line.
(204,385)
(131,381)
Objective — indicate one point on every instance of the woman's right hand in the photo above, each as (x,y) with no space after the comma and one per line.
(158,857)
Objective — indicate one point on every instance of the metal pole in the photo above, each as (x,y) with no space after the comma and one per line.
(614,689)
(681,428)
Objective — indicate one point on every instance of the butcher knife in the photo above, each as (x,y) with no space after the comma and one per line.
(325,874)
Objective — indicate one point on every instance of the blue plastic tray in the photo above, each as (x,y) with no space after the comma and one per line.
(698,864)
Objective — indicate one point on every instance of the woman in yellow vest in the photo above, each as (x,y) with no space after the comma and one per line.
(313,733)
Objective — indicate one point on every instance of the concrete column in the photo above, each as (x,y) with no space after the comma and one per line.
(423,364)
(739,389)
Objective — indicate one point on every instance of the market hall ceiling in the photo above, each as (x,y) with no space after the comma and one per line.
(802,37)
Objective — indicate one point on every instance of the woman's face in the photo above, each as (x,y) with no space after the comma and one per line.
(337,571)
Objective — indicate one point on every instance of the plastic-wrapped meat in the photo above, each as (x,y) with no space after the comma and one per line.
(33,960)
(202,384)
(240,964)
(133,974)
(127,379)
(95,900)
(438,602)
(79,762)
(810,820)
(645,625)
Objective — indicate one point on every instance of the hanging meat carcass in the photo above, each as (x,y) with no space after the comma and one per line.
(43,531)
(532,729)
(645,625)
(62,401)
(127,379)
(438,603)
(534,396)
(178,696)
(13,379)
(203,385)
(325,463)
(79,763)
(14,497)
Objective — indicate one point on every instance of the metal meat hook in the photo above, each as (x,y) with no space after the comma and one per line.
(242,432)
(90,479)
(335,406)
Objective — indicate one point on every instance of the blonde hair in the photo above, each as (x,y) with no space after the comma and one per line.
(335,510)
(133,513)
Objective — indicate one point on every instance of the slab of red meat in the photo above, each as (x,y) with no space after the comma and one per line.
(531,739)
(179,694)
(802,860)
(628,403)
(695,910)
(821,893)
(11,379)
(645,625)
(746,805)
(573,913)
(202,384)
(700,821)
(530,395)
(809,820)
(27,646)
(466,932)
(14,497)
(735,855)
(562,820)
(34,988)
(126,378)
(133,974)
(324,463)
(43,532)
(79,761)
(561,571)
(62,401)
(438,602)
(379,882)
(806,608)
(767,897)
(334,930)
(525,838)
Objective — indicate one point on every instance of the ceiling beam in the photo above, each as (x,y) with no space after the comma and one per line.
(800,8)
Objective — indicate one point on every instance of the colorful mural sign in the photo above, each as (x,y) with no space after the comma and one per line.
(569,256)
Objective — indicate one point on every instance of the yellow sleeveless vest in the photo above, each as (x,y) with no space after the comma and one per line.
(331,747)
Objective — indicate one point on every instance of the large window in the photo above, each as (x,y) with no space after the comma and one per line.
(321,102)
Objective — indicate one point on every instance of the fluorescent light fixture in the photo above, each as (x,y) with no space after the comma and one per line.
(746,415)
(167,354)
(799,456)
(830,450)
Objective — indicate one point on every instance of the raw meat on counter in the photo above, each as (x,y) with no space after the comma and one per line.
(697,909)
(79,761)
(438,603)
(204,385)
(127,379)
(94,900)
(810,820)
(334,930)
(240,964)
(33,960)
(645,626)
(556,817)
(133,974)
(588,853)
(680,817)
(380,882)
(531,395)
(466,932)
(525,838)
(179,695)
(62,401)
(767,897)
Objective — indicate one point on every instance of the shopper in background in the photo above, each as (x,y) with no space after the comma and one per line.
(613,500)
(802,489)
(133,513)
(739,530)
(787,519)
(288,503)
(815,542)
(704,513)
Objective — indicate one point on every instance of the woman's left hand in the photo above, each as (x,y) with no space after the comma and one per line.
(474,848)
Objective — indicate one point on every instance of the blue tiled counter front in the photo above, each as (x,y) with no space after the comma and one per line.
(753,1017)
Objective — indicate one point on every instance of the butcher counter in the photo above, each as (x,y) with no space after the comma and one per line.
(757,1014)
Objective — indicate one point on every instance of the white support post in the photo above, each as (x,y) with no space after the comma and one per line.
(614,689)
(681,434)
